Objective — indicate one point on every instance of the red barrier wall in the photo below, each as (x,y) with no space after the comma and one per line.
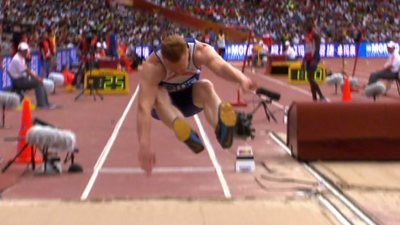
(344,131)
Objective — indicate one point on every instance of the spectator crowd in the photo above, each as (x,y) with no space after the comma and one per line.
(69,20)
(379,19)
(72,19)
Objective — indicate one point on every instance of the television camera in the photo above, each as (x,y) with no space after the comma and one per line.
(244,127)
(90,36)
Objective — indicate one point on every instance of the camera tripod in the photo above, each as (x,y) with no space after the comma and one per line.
(244,127)
(268,113)
(90,85)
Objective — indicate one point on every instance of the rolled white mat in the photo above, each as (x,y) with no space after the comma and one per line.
(58,78)
(48,85)
(336,78)
(57,139)
(375,89)
(9,99)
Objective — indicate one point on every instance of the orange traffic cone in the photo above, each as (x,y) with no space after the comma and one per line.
(346,90)
(26,124)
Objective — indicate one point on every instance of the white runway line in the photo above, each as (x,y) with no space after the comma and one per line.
(107,148)
(137,170)
(213,157)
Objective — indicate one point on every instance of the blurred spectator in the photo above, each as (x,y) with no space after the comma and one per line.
(289,52)
(112,43)
(24,78)
(69,21)
(53,48)
(221,43)
(45,54)
(379,20)
(68,76)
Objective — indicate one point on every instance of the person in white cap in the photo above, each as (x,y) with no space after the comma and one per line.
(390,69)
(24,78)
(289,52)
(97,54)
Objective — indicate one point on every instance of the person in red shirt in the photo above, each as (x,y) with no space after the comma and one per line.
(45,54)
(312,57)
(84,47)
(207,37)
(51,40)
(68,76)
(267,39)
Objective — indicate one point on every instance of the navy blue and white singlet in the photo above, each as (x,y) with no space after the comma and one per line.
(173,82)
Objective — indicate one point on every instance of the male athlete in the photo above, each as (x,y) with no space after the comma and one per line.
(171,89)
(312,57)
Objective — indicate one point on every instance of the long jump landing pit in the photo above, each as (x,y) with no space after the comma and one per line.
(373,186)
(156,212)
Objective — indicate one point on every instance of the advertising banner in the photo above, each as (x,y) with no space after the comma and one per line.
(236,52)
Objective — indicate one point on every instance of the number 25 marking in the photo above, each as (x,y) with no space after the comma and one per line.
(108,83)
(119,82)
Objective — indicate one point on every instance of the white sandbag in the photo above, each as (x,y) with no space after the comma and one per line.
(48,85)
(58,78)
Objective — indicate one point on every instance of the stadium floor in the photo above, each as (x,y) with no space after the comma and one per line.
(108,155)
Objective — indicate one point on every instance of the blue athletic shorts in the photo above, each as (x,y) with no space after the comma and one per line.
(309,67)
(183,101)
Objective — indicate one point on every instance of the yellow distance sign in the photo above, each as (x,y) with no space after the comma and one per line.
(299,76)
(107,81)
(281,68)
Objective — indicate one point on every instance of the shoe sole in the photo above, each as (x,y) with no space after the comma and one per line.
(228,115)
(228,119)
(182,129)
(183,132)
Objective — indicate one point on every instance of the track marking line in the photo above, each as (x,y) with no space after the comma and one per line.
(107,148)
(213,157)
(137,170)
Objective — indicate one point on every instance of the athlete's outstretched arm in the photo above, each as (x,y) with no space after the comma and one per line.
(208,57)
(151,76)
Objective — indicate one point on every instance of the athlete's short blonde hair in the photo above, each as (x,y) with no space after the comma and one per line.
(173,47)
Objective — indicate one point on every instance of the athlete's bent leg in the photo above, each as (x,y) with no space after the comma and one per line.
(174,119)
(166,111)
(315,90)
(221,116)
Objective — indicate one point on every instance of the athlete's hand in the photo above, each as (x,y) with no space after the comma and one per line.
(147,159)
(248,85)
